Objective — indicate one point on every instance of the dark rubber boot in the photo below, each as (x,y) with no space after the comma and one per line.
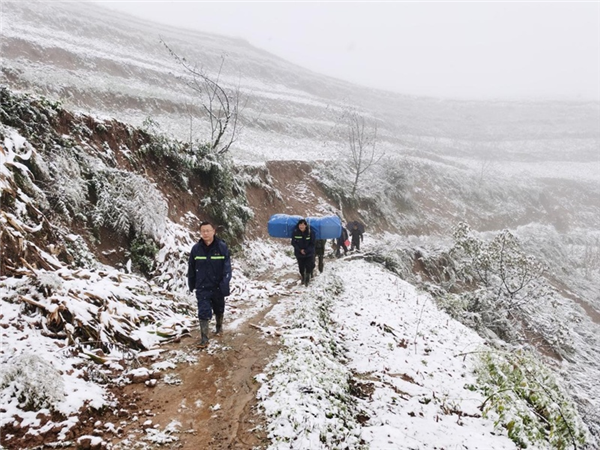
(219,328)
(306,278)
(204,333)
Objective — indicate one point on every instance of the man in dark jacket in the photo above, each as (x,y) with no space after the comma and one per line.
(304,250)
(341,244)
(357,237)
(209,273)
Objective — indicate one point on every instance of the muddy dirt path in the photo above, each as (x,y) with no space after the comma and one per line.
(214,401)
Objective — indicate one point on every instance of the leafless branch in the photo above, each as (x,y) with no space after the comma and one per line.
(222,106)
(362,142)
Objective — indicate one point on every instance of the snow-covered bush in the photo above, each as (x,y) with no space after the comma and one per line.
(162,147)
(335,178)
(64,182)
(529,401)
(259,177)
(499,264)
(79,251)
(127,202)
(226,198)
(143,252)
(506,289)
(32,382)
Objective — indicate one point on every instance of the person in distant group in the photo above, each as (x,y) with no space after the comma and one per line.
(209,274)
(340,244)
(320,252)
(304,250)
(357,237)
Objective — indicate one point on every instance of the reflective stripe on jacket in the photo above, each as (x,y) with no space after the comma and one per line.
(303,241)
(209,267)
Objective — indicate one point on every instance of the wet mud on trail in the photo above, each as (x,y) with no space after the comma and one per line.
(214,400)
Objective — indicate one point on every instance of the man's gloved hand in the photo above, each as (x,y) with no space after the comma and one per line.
(224,288)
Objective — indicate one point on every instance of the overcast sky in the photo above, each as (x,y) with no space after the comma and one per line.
(460,50)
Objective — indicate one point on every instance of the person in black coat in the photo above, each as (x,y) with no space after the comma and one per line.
(357,237)
(341,243)
(304,250)
(209,274)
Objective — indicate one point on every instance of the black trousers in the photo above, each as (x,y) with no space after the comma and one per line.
(306,265)
(320,262)
(209,301)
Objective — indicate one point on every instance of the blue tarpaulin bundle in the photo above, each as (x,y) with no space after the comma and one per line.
(282,226)
(327,227)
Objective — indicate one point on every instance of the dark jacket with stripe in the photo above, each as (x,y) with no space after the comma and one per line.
(304,241)
(209,267)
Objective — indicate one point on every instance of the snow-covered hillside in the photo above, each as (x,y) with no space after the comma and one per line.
(367,361)
(97,61)
(409,344)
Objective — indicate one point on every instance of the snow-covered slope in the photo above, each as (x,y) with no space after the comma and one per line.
(530,167)
(408,365)
(351,334)
(100,62)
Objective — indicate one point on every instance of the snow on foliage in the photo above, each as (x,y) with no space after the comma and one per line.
(128,201)
(367,360)
(509,284)
(529,401)
(30,383)
(10,151)
(476,294)
(171,259)
(365,367)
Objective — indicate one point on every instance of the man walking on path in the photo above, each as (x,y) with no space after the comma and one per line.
(209,273)
(357,237)
(304,250)
(340,243)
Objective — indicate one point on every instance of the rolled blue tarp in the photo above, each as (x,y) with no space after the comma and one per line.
(283,225)
(326,227)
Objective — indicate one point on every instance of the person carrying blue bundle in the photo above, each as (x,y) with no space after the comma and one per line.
(209,274)
(304,250)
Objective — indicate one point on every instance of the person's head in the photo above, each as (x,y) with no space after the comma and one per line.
(302,225)
(207,232)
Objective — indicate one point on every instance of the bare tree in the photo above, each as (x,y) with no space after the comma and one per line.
(362,141)
(222,105)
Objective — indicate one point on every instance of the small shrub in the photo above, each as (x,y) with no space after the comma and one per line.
(143,252)
(33,382)
(528,401)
